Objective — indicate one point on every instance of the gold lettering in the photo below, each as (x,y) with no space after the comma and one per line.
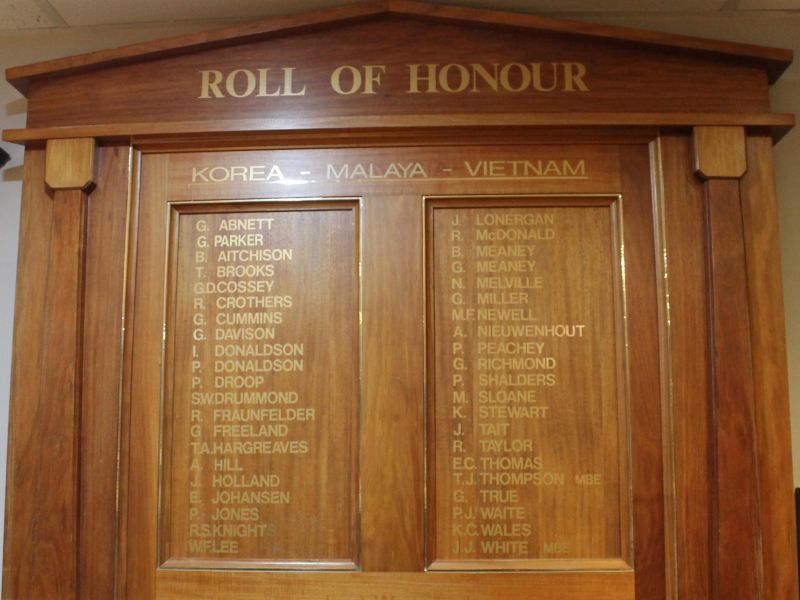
(556,548)
(589,479)
(364,83)
(250,83)
(288,83)
(372,77)
(415,78)
(210,84)
(355,78)
(429,78)
(241,83)
(490,79)
(536,70)
(573,77)
(263,79)
(523,77)
(504,547)
(463,78)
(213,546)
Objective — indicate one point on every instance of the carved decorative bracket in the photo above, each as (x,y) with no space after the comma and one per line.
(70,164)
(719,152)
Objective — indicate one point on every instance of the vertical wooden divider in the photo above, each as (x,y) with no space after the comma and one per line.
(645,417)
(392,426)
(106,220)
(43,490)
(687,375)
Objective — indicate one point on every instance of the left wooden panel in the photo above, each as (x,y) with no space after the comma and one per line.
(62,452)
(261,378)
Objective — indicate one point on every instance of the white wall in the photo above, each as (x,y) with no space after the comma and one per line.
(773,29)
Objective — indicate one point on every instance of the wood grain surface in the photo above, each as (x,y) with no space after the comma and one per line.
(646,403)
(762,255)
(41,540)
(195,135)
(686,368)
(736,512)
(176,585)
(70,163)
(106,245)
(719,152)
(140,420)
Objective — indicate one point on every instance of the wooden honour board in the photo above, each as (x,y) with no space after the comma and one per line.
(429,303)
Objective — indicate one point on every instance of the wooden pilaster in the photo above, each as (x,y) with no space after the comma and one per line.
(773,442)
(43,493)
(720,159)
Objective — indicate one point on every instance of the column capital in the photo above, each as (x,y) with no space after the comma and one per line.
(70,164)
(719,152)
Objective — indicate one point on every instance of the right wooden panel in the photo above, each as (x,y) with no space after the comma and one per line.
(528,412)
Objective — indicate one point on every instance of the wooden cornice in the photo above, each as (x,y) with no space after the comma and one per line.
(777,124)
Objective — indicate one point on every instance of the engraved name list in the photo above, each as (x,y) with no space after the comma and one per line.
(259,397)
(526,413)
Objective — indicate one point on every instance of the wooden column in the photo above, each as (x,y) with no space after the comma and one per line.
(735,524)
(43,493)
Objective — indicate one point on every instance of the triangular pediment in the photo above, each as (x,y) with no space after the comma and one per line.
(396,63)
(774,60)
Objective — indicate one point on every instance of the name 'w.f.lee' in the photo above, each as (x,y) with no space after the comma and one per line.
(429,78)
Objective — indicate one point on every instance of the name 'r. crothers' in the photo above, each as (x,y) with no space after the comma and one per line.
(422,78)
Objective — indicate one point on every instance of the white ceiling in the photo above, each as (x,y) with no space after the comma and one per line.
(23,14)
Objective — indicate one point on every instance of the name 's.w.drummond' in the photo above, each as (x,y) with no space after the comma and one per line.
(427,78)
